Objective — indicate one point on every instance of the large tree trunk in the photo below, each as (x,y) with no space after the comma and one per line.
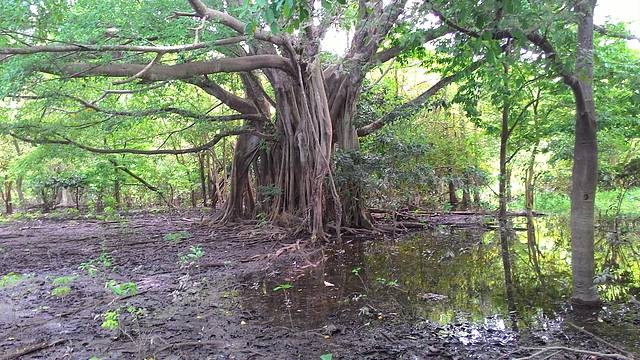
(305,149)
(343,90)
(67,198)
(585,163)
(243,155)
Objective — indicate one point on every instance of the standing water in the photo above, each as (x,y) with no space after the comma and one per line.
(455,276)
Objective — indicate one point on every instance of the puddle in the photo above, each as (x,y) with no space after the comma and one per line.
(448,276)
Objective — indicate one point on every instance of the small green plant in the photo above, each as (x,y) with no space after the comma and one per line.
(91,266)
(65,280)
(135,312)
(281,287)
(105,259)
(111,320)
(389,283)
(177,237)
(262,219)
(194,254)
(123,289)
(356,271)
(61,291)
(9,279)
(327,356)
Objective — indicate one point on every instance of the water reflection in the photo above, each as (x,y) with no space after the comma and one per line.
(446,275)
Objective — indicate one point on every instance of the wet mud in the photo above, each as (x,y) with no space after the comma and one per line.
(209,292)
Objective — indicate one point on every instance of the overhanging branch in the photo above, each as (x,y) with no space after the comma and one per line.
(196,149)
(110,48)
(606,32)
(169,109)
(415,104)
(159,72)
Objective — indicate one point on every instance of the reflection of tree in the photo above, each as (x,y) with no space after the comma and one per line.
(465,265)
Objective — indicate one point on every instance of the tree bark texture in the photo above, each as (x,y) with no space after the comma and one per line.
(585,163)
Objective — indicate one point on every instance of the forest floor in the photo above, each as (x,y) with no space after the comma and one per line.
(56,291)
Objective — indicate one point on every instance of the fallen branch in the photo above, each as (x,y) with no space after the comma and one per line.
(542,350)
(584,331)
(191,343)
(31,349)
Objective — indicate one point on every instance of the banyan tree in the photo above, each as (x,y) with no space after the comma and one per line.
(296,104)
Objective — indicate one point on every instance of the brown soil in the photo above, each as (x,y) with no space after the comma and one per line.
(190,312)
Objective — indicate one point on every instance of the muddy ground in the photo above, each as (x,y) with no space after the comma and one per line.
(194,308)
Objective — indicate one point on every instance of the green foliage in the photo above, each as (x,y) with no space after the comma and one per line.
(387,282)
(193,256)
(121,289)
(64,280)
(281,287)
(61,291)
(94,266)
(111,320)
(89,267)
(327,356)
(10,279)
(177,237)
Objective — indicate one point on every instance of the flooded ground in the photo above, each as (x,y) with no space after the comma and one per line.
(452,276)
(154,286)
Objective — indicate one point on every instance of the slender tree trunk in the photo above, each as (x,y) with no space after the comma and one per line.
(116,191)
(466,197)
(585,163)
(476,198)
(8,203)
(244,154)
(453,198)
(503,229)
(529,187)
(203,182)
(212,181)
(19,178)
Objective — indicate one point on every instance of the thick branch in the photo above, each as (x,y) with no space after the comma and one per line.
(390,53)
(170,109)
(534,37)
(111,48)
(140,180)
(228,98)
(604,31)
(223,18)
(169,72)
(415,104)
(196,149)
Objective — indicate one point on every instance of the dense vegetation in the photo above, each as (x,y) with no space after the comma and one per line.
(440,105)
